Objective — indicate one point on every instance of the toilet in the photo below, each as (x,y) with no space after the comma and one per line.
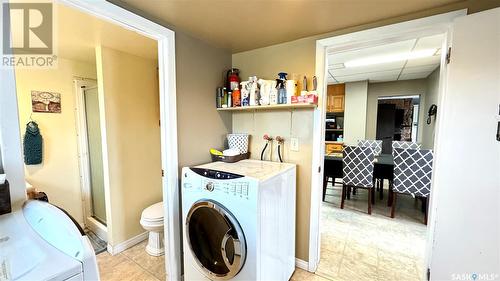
(152,221)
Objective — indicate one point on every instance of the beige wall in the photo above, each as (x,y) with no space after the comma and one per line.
(286,124)
(200,126)
(129,88)
(299,56)
(356,94)
(58,175)
(396,88)
(431,98)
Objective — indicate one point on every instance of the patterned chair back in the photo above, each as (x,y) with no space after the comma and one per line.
(404,145)
(413,171)
(376,145)
(358,166)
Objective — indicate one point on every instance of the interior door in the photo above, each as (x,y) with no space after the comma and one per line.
(385,126)
(466,183)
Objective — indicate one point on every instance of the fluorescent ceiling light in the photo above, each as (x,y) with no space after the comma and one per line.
(391,58)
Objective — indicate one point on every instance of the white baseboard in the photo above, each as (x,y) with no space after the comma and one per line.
(113,250)
(302,264)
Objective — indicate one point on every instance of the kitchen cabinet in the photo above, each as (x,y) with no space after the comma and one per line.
(335,98)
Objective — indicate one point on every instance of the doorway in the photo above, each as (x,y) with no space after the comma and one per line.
(397,120)
(378,37)
(91,161)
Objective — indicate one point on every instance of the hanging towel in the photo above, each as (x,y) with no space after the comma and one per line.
(33,144)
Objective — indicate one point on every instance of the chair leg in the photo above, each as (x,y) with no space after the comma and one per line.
(381,185)
(393,208)
(343,196)
(370,197)
(325,183)
(333,182)
(391,194)
(354,190)
(348,193)
(372,192)
(426,209)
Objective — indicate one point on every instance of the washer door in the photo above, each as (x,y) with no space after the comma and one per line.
(216,240)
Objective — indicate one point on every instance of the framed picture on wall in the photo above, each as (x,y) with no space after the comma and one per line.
(48,102)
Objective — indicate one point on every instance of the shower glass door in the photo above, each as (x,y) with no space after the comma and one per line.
(95,154)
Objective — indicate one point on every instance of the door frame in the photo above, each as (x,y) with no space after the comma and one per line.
(11,138)
(427,26)
(80,85)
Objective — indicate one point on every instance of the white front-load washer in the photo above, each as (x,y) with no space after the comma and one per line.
(239,221)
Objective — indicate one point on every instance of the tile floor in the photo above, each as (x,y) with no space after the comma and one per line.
(354,245)
(357,246)
(131,264)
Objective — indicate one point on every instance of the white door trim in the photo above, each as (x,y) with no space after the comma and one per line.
(11,142)
(381,35)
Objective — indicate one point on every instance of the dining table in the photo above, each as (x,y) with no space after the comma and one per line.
(383,169)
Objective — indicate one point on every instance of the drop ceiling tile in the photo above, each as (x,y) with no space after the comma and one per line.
(373,76)
(393,66)
(411,76)
(418,69)
(435,60)
(430,42)
(382,50)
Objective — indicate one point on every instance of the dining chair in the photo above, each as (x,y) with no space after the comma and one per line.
(376,145)
(358,172)
(405,145)
(412,175)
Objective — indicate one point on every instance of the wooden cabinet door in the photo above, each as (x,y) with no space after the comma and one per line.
(329,103)
(337,104)
(335,98)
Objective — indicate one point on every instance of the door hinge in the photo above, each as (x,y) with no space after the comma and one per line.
(428,274)
(162,173)
(319,169)
(448,56)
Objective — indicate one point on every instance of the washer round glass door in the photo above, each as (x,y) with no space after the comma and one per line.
(216,240)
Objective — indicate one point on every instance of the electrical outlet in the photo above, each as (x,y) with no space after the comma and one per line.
(294,144)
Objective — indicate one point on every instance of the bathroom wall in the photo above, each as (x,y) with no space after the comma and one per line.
(356,94)
(428,130)
(58,175)
(395,88)
(129,88)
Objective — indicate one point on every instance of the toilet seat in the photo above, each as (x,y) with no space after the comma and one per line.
(153,213)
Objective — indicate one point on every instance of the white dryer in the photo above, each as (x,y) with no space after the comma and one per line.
(42,242)
(239,221)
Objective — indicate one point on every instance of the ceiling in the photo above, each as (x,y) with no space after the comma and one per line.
(78,33)
(389,71)
(241,25)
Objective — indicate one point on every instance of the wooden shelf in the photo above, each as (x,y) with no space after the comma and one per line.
(334,130)
(269,107)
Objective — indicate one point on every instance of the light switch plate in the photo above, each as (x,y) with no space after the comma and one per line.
(294,144)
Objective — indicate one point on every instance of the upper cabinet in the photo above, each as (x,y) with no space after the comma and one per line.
(335,98)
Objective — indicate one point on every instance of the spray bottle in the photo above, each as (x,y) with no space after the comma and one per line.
(280,85)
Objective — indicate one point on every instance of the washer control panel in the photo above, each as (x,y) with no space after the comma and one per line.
(217,175)
(238,189)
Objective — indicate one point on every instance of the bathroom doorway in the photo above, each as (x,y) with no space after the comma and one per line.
(91,159)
